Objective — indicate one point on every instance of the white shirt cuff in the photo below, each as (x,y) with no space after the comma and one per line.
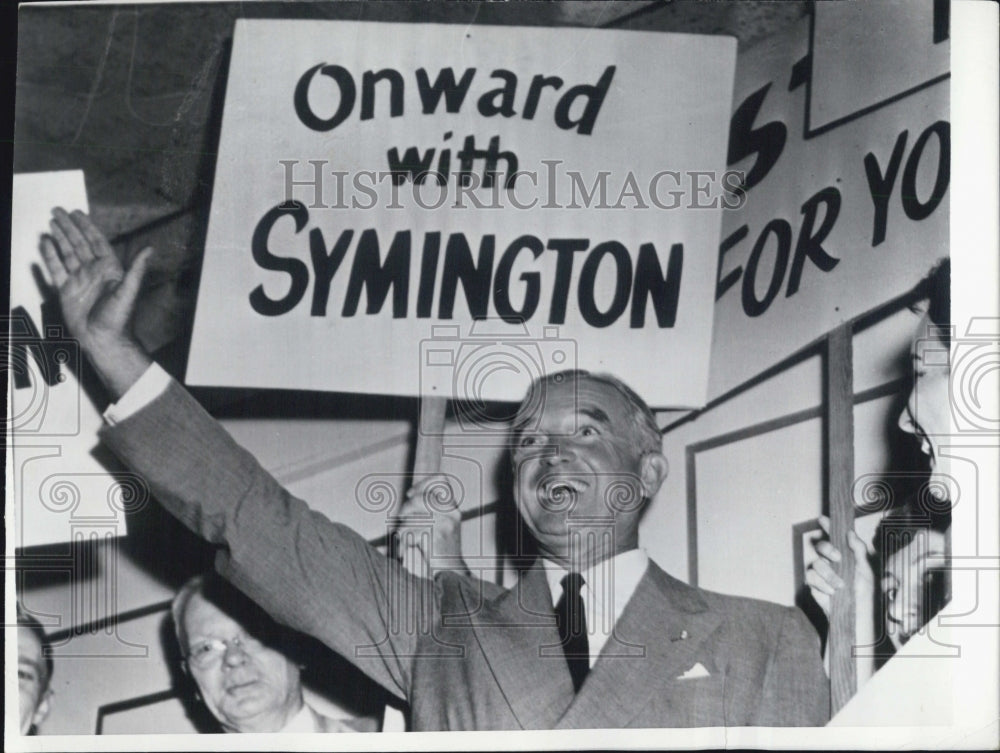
(153,383)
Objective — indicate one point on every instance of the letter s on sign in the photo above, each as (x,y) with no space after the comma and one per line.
(294,268)
(767,141)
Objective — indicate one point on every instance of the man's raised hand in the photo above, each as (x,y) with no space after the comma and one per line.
(97,296)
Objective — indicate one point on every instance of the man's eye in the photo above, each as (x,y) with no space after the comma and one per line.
(589,431)
(528,440)
(202,649)
(23,674)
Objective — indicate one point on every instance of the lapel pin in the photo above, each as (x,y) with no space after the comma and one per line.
(682,636)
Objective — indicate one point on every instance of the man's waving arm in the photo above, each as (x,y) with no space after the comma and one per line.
(317,576)
(314,575)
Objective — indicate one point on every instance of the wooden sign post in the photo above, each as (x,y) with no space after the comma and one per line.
(840,479)
(414,535)
(430,432)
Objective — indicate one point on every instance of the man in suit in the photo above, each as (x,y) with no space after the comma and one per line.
(618,643)
(239,660)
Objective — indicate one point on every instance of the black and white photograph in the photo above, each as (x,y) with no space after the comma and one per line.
(568,374)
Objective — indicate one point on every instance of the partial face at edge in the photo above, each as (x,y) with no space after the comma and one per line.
(906,584)
(33,702)
(927,414)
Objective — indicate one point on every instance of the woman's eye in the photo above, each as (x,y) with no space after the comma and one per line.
(589,431)
(527,440)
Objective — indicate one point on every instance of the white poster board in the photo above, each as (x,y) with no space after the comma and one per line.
(584,234)
(59,489)
(839,219)
(868,55)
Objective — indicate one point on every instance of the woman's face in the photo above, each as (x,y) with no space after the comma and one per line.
(928,411)
(907,584)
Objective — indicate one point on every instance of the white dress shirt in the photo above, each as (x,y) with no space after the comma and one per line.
(310,720)
(607,588)
(304,721)
(153,383)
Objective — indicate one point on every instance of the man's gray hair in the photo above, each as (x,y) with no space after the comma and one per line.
(647,432)
(195,585)
(224,596)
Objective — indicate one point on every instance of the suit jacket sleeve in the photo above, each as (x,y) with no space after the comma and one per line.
(796,691)
(317,576)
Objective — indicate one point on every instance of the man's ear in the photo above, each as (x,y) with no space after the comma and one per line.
(653,470)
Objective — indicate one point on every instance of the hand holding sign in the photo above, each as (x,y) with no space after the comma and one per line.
(822,577)
(97,296)
(431,500)
(823,582)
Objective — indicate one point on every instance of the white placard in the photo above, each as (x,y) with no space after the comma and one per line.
(868,55)
(834,224)
(60,486)
(585,238)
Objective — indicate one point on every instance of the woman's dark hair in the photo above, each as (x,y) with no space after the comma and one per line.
(922,512)
(935,288)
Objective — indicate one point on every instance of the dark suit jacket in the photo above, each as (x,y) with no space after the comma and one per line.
(467,654)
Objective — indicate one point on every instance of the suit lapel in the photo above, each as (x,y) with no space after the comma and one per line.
(656,639)
(512,630)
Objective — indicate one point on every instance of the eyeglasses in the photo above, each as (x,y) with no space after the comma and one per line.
(208,652)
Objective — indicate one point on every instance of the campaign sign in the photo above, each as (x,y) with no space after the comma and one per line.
(840,218)
(62,486)
(451,210)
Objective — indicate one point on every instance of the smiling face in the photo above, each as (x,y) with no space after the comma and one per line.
(579,467)
(911,593)
(247,686)
(32,688)
(928,413)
